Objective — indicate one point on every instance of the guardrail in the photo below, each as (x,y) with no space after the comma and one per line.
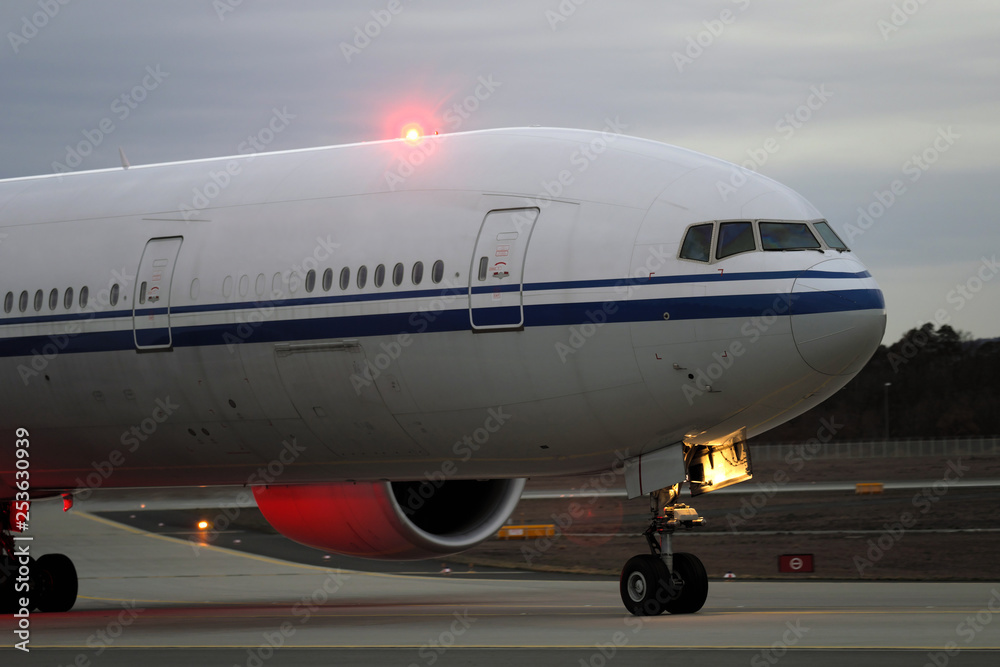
(877,449)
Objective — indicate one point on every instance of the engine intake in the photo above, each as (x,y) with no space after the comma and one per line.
(390,520)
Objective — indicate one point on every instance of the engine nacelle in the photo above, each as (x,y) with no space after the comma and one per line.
(390,520)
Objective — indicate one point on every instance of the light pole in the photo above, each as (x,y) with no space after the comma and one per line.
(887,385)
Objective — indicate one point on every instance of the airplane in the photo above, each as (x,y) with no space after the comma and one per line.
(383,340)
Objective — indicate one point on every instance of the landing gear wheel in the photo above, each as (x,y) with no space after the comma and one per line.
(56,583)
(8,573)
(690,585)
(643,585)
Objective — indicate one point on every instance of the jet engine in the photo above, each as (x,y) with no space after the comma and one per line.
(390,520)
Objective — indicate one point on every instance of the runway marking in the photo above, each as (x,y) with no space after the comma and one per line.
(263,559)
(421,609)
(630,647)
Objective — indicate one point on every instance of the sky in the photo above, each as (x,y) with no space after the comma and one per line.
(884,114)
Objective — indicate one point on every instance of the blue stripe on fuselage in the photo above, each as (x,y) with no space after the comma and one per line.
(357,326)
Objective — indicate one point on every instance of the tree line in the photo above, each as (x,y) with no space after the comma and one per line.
(937,383)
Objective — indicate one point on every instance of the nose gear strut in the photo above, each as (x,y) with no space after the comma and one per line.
(664,580)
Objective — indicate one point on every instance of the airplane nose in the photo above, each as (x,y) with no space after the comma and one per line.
(837,316)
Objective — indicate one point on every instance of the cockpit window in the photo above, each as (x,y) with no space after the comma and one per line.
(830,236)
(787,236)
(698,243)
(734,238)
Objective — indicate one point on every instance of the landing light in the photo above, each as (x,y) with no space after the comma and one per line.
(413,133)
(202,525)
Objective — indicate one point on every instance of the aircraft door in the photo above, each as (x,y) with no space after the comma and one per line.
(497,273)
(151,300)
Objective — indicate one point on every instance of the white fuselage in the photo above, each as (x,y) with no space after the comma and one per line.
(564,331)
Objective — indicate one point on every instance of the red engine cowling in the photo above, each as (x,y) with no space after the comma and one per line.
(390,520)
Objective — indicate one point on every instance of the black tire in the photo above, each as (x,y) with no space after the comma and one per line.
(56,583)
(643,582)
(8,573)
(689,587)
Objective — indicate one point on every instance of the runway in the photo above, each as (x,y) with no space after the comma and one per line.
(157,600)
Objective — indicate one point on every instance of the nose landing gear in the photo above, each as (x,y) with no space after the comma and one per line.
(665,581)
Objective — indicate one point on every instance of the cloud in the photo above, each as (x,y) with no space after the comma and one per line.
(891,93)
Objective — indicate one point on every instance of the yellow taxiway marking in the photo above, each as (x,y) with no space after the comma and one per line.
(242,554)
(630,647)
(427,609)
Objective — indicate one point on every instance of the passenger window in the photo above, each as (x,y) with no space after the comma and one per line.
(418,273)
(830,236)
(345,278)
(84,294)
(22,302)
(114,294)
(311,280)
(698,242)
(787,236)
(379,275)
(68,298)
(437,271)
(8,302)
(53,299)
(39,297)
(734,238)
(397,274)
(362,276)
(327,280)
